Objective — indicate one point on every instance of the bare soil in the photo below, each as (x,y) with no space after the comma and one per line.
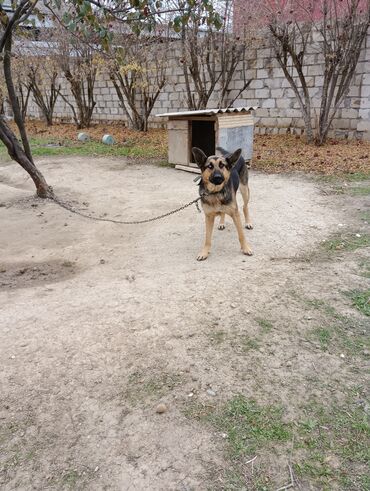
(99,323)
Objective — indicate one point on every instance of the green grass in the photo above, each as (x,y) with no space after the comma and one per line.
(361,300)
(338,333)
(357,176)
(338,341)
(40,148)
(335,443)
(346,242)
(324,336)
(365,216)
(218,337)
(265,325)
(250,426)
(360,191)
(364,268)
(165,163)
(318,304)
(249,343)
(349,177)
(328,445)
(348,183)
(70,479)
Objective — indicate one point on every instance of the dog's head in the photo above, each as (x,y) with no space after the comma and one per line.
(215,169)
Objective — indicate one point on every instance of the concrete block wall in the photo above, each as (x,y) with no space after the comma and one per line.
(278,111)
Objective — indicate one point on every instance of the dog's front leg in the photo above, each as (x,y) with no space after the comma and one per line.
(239,227)
(222,222)
(210,220)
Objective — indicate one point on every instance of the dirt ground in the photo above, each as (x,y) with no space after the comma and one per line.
(99,323)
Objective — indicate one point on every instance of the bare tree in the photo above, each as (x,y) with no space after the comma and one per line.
(43,79)
(20,70)
(210,57)
(35,73)
(79,63)
(340,28)
(138,73)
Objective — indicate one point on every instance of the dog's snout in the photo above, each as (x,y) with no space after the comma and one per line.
(217,178)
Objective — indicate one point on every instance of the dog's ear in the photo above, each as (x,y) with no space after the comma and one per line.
(233,158)
(199,156)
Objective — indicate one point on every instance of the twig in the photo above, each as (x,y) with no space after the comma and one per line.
(291,474)
(252,460)
(291,484)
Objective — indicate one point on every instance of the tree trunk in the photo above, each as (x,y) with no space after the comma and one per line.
(13,98)
(21,155)
(17,153)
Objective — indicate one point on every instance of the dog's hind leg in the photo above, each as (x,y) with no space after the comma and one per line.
(221,225)
(210,221)
(244,189)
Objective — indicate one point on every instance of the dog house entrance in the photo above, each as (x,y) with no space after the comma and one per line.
(203,136)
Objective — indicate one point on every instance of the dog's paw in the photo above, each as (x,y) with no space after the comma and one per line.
(202,256)
(249,226)
(247,251)
(221,227)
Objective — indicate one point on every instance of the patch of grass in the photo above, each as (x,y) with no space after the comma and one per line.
(357,176)
(42,147)
(360,190)
(265,325)
(335,446)
(342,337)
(236,479)
(339,333)
(329,443)
(327,309)
(365,216)
(218,337)
(361,300)
(346,242)
(324,336)
(315,468)
(364,268)
(365,482)
(165,163)
(316,303)
(245,343)
(250,426)
(249,343)
(70,478)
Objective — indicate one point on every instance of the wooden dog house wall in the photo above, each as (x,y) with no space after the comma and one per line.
(207,129)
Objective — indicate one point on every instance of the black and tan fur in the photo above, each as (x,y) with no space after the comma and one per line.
(221,178)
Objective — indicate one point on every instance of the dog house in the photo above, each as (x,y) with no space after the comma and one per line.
(207,129)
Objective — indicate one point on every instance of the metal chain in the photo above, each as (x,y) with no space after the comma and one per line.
(112,220)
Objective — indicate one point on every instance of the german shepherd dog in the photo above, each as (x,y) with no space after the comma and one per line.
(221,178)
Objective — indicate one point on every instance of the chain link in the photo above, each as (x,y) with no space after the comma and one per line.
(68,207)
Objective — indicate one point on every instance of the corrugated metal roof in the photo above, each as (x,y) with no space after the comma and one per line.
(209,112)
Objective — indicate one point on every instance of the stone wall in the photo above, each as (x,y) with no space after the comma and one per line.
(278,109)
